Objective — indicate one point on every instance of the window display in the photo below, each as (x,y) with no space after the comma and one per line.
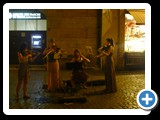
(135,39)
(134,36)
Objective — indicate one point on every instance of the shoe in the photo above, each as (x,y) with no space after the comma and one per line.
(84,86)
(26,97)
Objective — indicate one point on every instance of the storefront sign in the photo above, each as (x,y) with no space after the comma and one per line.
(24,15)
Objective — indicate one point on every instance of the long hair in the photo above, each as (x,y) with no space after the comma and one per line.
(22,48)
(76,50)
(110,40)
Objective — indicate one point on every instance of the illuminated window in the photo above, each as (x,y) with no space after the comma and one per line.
(134,35)
(36,41)
(135,39)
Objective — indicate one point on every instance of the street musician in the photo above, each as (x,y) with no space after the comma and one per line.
(102,49)
(53,70)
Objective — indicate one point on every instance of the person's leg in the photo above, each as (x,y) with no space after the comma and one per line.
(73,83)
(25,82)
(45,85)
(84,79)
(18,88)
(49,78)
(20,79)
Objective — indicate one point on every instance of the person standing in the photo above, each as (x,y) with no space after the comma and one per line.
(109,69)
(24,57)
(53,68)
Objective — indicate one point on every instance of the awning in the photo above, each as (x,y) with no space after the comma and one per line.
(139,15)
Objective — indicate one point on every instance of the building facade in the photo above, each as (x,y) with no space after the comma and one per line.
(84,29)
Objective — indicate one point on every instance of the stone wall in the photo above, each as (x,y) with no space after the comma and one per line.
(82,28)
(73,28)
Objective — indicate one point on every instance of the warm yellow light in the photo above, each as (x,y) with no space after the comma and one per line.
(135,45)
(129,17)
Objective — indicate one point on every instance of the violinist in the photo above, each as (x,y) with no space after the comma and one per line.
(101,50)
(53,70)
(109,67)
(31,53)
(23,70)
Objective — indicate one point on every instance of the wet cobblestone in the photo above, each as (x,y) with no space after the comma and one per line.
(129,83)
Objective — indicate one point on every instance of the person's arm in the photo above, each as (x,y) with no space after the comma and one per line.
(98,56)
(46,51)
(22,58)
(103,53)
(99,49)
(108,52)
(31,59)
(72,60)
(86,59)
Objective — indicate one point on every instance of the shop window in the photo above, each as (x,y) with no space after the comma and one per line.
(135,39)
(134,36)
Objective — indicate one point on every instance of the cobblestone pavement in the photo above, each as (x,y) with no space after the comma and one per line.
(128,85)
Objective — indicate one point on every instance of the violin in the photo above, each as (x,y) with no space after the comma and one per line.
(57,52)
(104,48)
(30,52)
(34,55)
